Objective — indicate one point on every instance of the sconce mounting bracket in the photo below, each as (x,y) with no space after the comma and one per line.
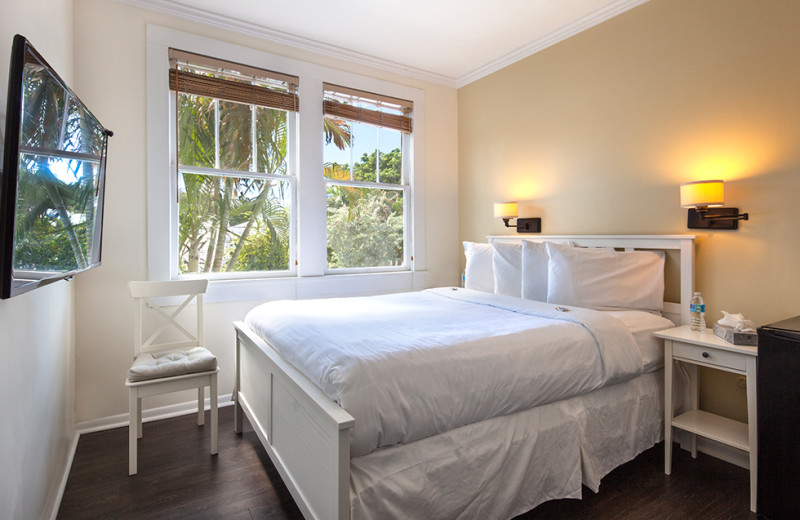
(529,225)
(715,218)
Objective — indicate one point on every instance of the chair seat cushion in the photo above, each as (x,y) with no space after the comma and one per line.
(169,363)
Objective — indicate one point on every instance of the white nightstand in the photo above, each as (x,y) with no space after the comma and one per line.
(706,349)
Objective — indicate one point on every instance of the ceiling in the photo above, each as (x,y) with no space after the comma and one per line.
(450,42)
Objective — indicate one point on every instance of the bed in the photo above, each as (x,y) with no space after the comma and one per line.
(481,440)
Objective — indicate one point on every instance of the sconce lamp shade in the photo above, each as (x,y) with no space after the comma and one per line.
(505,210)
(702,194)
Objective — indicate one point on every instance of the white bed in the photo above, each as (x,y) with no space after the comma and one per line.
(487,454)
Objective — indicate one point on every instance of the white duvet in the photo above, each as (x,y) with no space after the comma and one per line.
(410,365)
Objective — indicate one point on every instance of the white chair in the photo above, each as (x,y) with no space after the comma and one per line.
(160,365)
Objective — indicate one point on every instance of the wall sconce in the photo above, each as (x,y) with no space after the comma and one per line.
(705,200)
(508,210)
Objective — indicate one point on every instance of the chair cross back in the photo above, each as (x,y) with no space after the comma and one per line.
(144,292)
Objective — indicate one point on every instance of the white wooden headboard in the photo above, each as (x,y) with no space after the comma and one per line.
(678,311)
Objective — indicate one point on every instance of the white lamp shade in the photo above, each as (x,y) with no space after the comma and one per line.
(702,193)
(505,210)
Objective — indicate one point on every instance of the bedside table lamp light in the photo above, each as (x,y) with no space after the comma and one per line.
(705,199)
(508,210)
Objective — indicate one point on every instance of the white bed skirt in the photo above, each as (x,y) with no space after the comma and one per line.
(505,466)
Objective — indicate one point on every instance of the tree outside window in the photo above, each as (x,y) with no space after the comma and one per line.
(366,180)
(235,180)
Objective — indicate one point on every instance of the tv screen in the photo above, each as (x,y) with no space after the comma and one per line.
(52,182)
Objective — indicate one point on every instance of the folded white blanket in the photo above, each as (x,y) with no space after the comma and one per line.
(410,365)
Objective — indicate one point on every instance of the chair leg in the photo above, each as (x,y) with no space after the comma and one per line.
(133,435)
(214,416)
(201,409)
(139,417)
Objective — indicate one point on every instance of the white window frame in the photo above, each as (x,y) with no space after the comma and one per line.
(311,278)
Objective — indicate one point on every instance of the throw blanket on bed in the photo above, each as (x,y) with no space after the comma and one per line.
(410,365)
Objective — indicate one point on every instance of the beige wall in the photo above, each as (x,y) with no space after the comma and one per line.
(596,133)
(36,328)
(109,69)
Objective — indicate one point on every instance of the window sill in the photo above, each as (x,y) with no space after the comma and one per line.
(301,288)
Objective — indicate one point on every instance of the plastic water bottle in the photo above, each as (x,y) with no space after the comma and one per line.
(697,308)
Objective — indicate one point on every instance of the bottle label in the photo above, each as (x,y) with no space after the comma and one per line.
(697,308)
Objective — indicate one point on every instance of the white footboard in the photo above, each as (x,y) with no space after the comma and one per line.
(305,433)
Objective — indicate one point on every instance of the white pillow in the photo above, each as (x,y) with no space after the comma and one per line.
(534,270)
(507,261)
(603,279)
(479,273)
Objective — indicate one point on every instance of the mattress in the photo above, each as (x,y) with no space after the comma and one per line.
(409,366)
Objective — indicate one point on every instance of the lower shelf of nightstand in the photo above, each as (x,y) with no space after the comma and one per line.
(721,429)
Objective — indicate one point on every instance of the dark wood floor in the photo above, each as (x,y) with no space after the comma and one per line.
(178,479)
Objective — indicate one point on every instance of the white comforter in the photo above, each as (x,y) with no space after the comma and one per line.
(407,366)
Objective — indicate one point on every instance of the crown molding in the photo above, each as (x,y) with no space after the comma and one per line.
(265,33)
(571,29)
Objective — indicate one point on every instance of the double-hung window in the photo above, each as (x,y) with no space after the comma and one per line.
(274,174)
(366,170)
(235,128)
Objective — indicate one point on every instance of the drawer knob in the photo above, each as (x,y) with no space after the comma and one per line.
(705,354)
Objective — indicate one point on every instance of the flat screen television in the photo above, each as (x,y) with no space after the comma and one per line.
(52,180)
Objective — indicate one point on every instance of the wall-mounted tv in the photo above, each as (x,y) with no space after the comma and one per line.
(52,180)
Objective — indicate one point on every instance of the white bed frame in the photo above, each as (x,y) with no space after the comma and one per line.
(307,435)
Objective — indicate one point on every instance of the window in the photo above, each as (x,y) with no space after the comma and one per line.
(366,170)
(235,127)
(285,253)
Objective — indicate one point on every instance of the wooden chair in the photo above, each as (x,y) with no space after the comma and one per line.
(161,366)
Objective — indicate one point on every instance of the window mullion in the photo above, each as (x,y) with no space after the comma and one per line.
(378,155)
(253,139)
(216,133)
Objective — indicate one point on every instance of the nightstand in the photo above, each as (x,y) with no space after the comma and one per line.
(706,349)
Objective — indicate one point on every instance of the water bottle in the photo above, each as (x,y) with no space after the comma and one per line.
(463,280)
(697,309)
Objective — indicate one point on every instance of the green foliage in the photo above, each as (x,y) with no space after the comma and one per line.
(365,228)
(263,252)
(239,223)
(221,217)
(389,169)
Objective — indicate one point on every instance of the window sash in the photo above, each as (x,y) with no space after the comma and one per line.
(405,189)
(290,180)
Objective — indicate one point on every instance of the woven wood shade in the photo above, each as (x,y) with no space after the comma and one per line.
(335,108)
(201,85)
(365,115)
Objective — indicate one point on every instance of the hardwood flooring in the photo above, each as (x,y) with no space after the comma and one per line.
(179,479)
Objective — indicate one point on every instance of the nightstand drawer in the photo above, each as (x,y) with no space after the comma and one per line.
(711,356)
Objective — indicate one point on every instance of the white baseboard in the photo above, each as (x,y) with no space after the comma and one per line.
(65,476)
(715,449)
(152,414)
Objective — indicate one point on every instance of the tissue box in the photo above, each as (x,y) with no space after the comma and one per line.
(737,338)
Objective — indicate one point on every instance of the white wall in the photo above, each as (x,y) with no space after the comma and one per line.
(110,45)
(36,375)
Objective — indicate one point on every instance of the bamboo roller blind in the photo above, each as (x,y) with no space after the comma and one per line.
(246,90)
(374,113)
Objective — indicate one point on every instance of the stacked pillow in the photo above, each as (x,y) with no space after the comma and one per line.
(598,278)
